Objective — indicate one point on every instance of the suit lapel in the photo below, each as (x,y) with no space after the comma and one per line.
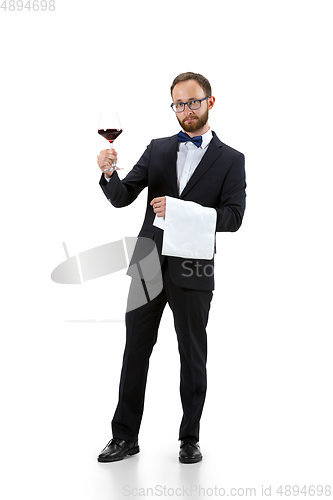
(171,164)
(213,152)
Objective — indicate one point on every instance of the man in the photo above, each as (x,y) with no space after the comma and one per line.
(195,170)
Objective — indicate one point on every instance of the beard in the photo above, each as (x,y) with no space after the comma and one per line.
(197,124)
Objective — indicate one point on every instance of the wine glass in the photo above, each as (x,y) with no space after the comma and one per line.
(110,128)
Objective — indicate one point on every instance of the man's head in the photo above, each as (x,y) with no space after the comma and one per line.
(192,87)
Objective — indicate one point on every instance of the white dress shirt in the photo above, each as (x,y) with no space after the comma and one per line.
(189,157)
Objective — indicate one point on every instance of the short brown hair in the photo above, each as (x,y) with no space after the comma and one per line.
(202,81)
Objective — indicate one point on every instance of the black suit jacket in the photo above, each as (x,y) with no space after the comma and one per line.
(217,182)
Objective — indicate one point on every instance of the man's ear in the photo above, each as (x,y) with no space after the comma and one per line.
(211,102)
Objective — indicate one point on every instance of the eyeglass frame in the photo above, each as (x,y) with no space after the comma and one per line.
(188,104)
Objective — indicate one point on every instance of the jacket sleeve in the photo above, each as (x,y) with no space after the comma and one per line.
(123,192)
(232,201)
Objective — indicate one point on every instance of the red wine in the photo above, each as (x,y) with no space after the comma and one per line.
(110,134)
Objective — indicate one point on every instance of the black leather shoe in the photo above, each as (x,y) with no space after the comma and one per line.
(189,451)
(117,449)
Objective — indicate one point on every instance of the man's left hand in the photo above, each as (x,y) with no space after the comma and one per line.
(159,206)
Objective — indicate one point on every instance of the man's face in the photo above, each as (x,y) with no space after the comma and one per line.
(192,120)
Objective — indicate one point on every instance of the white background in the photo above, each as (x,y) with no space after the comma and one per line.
(268,414)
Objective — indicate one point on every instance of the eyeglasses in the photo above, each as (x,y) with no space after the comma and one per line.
(179,107)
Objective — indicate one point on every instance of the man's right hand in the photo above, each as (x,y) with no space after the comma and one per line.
(105,159)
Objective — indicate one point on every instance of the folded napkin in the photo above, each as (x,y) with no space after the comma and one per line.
(189,229)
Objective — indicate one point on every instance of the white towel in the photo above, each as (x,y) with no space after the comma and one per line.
(189,229)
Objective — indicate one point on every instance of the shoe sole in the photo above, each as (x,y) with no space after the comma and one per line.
(132,451)
(190,460)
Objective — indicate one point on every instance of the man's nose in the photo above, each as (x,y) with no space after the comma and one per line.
(187,109)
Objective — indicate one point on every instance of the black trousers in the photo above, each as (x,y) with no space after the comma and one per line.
(190,310)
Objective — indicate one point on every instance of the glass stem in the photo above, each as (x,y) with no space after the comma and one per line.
(113,166)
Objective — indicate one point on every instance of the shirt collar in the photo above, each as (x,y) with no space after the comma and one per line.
(206,138)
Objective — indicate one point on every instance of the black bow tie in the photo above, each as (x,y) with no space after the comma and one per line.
(182,137)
